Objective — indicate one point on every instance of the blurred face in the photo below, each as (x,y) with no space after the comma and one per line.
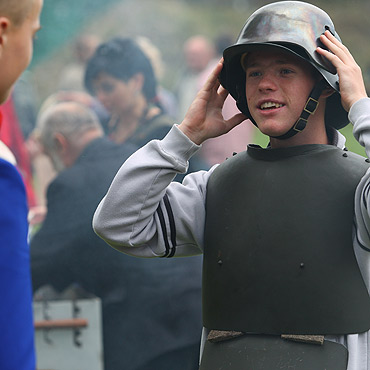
(277,87)
(117,96)
(17,47)
(198,54)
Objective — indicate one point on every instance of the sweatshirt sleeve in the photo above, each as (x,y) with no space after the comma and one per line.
(359,116)
(144,213)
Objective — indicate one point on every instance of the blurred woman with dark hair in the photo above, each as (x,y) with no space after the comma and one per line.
(121,76)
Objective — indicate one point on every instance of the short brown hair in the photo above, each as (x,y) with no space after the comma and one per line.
(16,10)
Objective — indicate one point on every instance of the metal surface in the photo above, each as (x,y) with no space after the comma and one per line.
(69,335)
(278,252)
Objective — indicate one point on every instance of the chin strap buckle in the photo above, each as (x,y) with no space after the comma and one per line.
(311,105)
(300,124)
(310,108)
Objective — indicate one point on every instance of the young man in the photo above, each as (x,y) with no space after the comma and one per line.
(19,22)
(284,230)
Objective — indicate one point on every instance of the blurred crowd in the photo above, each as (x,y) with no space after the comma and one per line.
(108,102)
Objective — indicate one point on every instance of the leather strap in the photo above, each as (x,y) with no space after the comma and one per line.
(309,109)
(263,352)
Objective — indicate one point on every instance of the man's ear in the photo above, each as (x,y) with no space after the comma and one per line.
(4,26)
(328,91)
(60,143)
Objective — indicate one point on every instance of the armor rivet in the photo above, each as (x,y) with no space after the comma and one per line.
(301,265)
(345,155)
(220,262)
(367,160)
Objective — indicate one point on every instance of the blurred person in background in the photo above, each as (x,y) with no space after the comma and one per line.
(43,169)
(199,53)
(166,97)
(121,76)
(12,135)
(151,313)
(18,121)
(25,101)
(65,250)
(19,23)
(71,76)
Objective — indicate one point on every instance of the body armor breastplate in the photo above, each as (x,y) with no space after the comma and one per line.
(278,253)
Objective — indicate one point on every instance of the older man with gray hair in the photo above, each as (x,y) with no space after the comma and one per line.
(151,312)
(65,250)
(65,130)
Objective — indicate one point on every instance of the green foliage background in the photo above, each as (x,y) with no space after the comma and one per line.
(168,23)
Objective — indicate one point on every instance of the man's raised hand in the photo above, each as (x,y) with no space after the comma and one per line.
(204,118)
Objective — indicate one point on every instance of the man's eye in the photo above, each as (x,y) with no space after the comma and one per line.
(286,71)
(254,74)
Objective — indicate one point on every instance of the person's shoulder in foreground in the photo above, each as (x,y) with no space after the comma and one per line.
(19,22)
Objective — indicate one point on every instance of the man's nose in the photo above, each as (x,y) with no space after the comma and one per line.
(267,82)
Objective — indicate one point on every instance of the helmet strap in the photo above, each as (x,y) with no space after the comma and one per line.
(309,109)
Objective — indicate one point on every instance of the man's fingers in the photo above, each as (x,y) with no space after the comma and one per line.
(350,76)
(212,81)
(235,120)
(336,47)
(223,93)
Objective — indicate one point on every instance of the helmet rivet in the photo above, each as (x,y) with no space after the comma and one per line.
(220,262)
(301,265)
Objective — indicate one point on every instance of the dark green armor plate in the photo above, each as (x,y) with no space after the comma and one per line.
(278,256)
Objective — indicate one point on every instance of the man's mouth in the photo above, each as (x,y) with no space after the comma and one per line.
(270,105)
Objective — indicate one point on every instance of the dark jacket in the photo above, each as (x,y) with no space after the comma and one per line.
(140,320)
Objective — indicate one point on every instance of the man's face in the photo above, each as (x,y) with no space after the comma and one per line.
(17,48)
(56,160)
(277,87)
(198,54)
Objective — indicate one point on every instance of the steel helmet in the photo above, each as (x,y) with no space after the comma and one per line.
(293,26)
